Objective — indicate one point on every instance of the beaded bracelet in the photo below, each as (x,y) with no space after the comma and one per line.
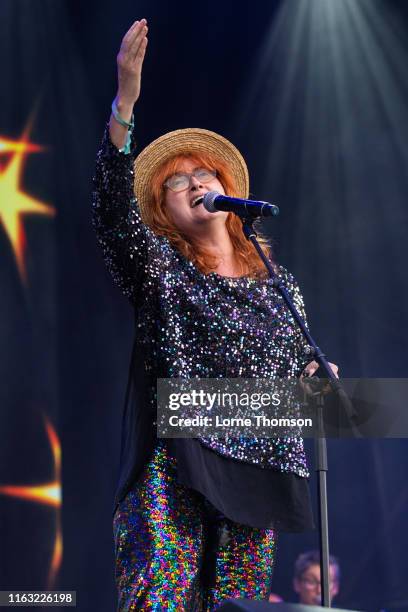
(130,126)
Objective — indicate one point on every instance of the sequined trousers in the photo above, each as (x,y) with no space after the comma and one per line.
(175,551)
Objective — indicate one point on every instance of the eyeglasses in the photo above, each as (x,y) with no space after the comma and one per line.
(181,180)
(312,583)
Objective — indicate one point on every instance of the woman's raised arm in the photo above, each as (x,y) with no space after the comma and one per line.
(130,61)
(128,244)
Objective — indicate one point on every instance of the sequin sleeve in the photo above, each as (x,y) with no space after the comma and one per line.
(129,247)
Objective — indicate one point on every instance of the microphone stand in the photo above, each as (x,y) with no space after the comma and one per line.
(320,444)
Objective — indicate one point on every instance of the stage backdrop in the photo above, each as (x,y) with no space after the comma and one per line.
(315,96)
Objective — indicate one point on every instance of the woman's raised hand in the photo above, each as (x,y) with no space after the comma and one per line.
(130,60)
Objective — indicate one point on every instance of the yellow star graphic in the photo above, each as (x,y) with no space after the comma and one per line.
(14,202)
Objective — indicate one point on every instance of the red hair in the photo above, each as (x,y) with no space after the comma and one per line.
(162,224)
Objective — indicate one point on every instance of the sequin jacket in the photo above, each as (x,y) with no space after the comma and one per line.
(189,324)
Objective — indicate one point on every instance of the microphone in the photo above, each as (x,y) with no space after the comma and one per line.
(214,201)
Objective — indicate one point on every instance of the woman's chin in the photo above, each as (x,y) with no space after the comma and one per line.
(202,214)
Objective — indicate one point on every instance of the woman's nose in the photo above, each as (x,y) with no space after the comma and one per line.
(194,182)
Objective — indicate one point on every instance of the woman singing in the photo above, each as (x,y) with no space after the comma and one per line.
(195,519)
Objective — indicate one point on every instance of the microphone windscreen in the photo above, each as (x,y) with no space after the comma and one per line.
(209,200)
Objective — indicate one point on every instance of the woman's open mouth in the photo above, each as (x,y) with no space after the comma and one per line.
(198,200)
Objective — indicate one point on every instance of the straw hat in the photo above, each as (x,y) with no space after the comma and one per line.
(189,140)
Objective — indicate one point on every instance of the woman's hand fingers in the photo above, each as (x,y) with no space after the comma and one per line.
(335,369)
(130,60)
(311,368)
(133,39)
(138,41)
(131,43)
(138,50)
(131,31)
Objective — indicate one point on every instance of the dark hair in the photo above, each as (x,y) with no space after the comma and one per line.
(312,557)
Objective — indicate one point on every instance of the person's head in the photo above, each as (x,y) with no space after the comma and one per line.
(171,176)
(177,188)
(307,582)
